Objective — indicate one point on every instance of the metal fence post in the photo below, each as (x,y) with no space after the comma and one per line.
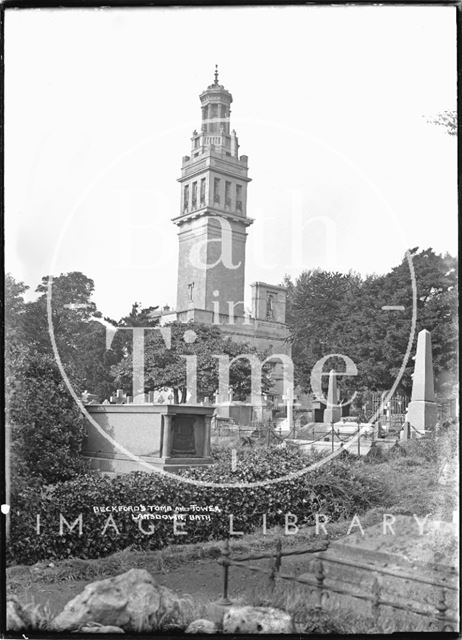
(442,608)
(319,575)
(224,561)
(275,564)
(376,602)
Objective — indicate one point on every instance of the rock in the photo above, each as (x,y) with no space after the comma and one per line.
(257,620)
(202,626)
(132,601)
(100,628)
(16,619)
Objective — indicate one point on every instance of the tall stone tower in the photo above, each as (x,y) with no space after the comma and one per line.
(212,232)
(213,215)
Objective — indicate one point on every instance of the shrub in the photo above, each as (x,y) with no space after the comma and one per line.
(338,489)
(46,425)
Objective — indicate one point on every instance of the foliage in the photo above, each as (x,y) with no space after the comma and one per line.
(140,317)
(165,365)
(448,120)
(342,313)
(46,426)
(341,490)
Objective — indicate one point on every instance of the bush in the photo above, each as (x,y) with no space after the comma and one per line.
(338,489)
(438,446)
(46,426)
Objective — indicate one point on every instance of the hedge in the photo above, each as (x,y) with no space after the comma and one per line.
(338,489)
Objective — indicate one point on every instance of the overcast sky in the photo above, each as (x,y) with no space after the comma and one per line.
(330,104)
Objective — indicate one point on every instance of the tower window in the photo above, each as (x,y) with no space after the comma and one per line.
(194,195)
(227,193)
(216,190)
(186,197)
(238,197)
(202,191)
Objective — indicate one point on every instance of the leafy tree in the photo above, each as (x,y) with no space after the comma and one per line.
(448,120)
(140,317)
(78,331)
(166,367)
(46,425)
(338,313)
(14,313)
(319,303)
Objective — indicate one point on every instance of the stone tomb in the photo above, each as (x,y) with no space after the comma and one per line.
(167,436)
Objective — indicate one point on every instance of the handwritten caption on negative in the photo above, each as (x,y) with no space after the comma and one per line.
(161,511)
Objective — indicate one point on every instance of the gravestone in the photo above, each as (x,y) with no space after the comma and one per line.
(332,412)
(422,410)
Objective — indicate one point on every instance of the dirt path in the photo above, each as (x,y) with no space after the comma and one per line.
(201,579)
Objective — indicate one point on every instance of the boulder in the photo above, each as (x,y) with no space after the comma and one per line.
(100,628)
(202,626)
(257,620)
(132,601)
(16,619)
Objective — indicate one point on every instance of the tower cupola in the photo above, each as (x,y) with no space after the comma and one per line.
(215,131)
(216,102)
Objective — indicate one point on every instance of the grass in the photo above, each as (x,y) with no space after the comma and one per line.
(36,616)
(300,602)
(411,478)
(412,474)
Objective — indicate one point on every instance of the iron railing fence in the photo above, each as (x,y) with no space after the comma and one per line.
(376,597)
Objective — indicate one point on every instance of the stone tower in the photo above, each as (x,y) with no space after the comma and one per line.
(213,218)
(212,232)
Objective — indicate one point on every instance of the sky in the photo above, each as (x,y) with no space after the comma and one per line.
(331,105)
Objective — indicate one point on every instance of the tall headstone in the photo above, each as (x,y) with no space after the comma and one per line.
(332,413)
(422,410)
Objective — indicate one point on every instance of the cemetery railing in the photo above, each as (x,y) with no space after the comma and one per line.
(276,557)
(446,621)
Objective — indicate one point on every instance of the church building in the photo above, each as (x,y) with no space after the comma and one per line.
(212,231)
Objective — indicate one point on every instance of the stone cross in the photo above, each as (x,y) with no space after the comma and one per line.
(119,397)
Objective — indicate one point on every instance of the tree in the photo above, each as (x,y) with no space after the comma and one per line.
(319,304)
(140,317)
(337,313)
(166,367)
(46,425)
(448,120)
(14,313)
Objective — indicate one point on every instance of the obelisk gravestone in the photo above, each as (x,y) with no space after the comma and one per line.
(332,413)
(422,411)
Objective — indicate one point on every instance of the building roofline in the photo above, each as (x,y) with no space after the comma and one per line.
(266,284)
